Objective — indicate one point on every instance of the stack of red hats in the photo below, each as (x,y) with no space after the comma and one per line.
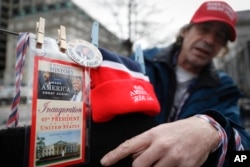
(118,87)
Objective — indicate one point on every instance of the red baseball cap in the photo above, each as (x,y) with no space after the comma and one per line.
(217,11)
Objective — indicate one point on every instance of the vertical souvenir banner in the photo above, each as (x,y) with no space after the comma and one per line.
(59,118)
(59,111)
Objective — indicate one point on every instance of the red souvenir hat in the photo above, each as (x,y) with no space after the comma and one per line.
(217,11)
(119,87)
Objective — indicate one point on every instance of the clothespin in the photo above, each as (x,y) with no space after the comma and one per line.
(139,58)
(94,34)
(40,32)
(62,38)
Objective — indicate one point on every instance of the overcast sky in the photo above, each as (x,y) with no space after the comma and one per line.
(180,12)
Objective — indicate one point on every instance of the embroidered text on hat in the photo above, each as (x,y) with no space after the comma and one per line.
(119,87)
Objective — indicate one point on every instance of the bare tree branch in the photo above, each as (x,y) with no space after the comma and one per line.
(135,19)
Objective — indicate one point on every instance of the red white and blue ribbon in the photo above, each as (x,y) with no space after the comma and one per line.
(223,137)
(239,146)
(21,47)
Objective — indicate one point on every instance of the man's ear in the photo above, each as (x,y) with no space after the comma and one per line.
(183,32)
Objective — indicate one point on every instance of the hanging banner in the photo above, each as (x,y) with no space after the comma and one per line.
(58,131)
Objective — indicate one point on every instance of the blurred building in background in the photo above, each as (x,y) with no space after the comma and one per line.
(22,15)
(237,61)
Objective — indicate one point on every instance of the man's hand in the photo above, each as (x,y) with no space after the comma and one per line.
(184,143)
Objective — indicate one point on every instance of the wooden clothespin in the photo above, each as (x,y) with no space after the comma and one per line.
(40,32)
(62,38)
(95,33)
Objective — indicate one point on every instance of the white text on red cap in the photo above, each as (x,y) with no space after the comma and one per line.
(217,6)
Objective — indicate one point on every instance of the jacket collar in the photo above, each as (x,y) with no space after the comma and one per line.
(208,76)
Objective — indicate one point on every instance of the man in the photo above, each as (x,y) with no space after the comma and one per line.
(77,89)
(46,77)
(84,52)
(199,122)
(45,85)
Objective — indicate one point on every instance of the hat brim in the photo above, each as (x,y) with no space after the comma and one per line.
(232,35)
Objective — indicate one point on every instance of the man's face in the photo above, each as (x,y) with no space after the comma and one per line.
(202,42)
(77,84)
(46,76)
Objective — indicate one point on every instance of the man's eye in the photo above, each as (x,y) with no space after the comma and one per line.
(222,37)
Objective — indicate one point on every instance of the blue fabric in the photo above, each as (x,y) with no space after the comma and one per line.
(129,63)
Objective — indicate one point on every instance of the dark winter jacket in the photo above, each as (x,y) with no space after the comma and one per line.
(213,93)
